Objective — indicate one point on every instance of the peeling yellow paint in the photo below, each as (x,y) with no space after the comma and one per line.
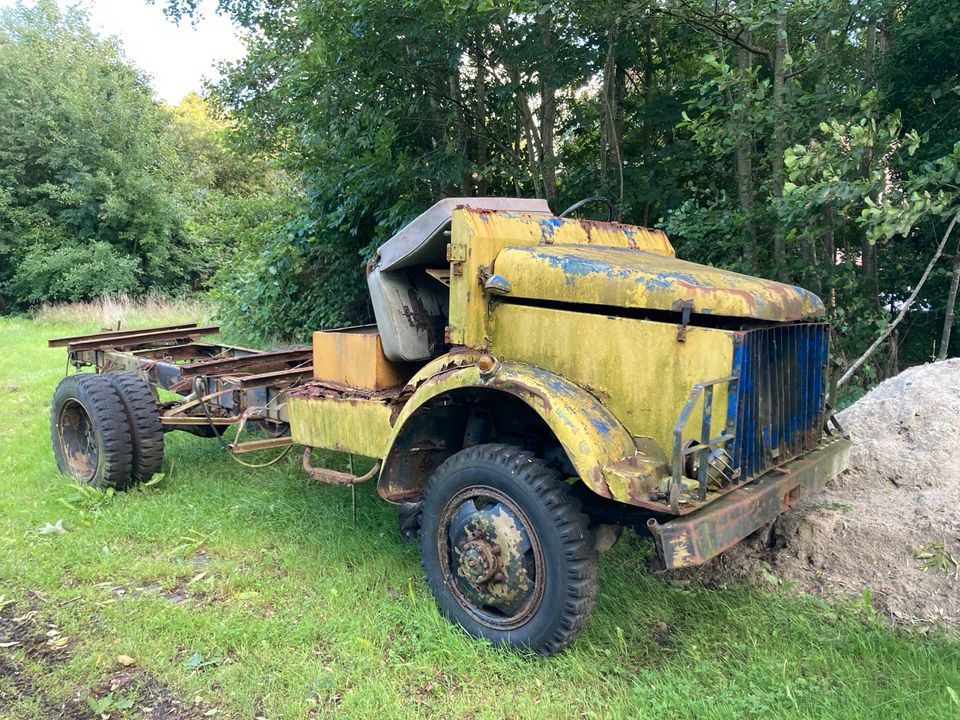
(589,432)
(637,366)
(628,278)
(478,236)
(353,425)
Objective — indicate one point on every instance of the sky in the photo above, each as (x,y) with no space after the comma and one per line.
(176,57)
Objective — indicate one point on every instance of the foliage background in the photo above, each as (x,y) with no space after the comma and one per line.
(811,141)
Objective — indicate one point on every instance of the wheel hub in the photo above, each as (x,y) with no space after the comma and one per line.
(495,562)
(78,439)
(478,561)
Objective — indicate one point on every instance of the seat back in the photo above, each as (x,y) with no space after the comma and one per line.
(411,312)
(410,307)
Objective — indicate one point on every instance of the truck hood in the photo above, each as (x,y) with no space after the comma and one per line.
(631,278)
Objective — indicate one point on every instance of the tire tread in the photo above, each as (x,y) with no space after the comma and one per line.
(106,409)
(144,420)
(564,510)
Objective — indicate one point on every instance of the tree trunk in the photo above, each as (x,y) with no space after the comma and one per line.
(951,308)
(743,164)
(868,250)
(530,132)
(649,78)
(480,108)
(446,187)
(460,126)
(778,146)
(612,102)
(893,357)
(869,50)
(548,112)
(828,254)
(548,160)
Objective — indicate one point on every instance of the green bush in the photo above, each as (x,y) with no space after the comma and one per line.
(74,272)
(281,280)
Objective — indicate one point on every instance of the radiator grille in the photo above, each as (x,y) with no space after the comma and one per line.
(780,395)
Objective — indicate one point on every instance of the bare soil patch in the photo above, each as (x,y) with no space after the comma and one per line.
(41,643)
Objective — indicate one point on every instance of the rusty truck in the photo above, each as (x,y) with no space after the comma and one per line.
(533,383)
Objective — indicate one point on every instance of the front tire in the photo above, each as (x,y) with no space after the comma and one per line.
(506,550)
(408,520)
(91,436)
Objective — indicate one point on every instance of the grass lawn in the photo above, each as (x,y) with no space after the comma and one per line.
(242,593)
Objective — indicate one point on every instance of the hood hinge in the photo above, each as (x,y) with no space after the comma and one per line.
(684,307)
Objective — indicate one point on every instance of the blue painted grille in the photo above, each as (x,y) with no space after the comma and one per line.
(780,396)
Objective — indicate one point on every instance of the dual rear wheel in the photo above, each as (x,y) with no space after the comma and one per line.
(106,429)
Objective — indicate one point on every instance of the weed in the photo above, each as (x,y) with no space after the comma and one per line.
(842,507)
(198,661)
(86,499)
(154,482)
(190,543)
(935,556)
(109,704)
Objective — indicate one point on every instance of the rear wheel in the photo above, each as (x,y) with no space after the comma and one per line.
(90,432)
(143,417)
(506,550)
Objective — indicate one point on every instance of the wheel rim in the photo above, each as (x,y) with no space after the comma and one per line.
(491,557)
(78,440)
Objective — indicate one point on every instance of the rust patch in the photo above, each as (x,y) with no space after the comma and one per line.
(338,391)
(420,318)
(696,538)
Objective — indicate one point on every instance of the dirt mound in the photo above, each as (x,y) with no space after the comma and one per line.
(891,524)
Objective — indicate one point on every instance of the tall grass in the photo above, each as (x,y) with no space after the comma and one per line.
(122,311)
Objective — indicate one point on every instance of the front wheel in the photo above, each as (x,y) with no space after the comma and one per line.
(506,551)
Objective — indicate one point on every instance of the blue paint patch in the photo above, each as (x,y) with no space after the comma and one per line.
(573,267)
(565,420)
(549,225)
(683,277)
(657,282)
(600,425)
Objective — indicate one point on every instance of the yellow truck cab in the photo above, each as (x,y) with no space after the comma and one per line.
(533,384)
(561,375)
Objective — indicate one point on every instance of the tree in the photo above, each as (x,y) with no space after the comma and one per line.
(762,134)
(87,172)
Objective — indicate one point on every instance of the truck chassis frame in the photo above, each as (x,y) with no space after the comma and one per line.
(220,385)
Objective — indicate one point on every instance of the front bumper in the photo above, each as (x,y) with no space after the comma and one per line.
(705,533)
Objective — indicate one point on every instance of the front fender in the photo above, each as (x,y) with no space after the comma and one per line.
(588,432)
